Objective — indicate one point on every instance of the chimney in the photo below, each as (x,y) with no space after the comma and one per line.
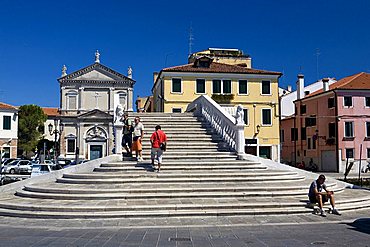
(289,88)
(325,84)
(300,86)
(155,76)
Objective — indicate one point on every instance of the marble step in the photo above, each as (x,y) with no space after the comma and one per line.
(215,188)
(187,180)
(163,175)
(207,162)
(166,167)
(181,210)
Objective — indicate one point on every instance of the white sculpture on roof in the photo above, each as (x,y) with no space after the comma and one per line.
(97,57)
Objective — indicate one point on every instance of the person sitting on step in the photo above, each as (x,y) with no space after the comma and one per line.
(316,195)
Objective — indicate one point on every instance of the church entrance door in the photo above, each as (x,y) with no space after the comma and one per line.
(96,152)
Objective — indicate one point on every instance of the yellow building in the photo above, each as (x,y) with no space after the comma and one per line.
(229,85)
(226,56)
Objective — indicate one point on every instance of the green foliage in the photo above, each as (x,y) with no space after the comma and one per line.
(223,98)
(31,119)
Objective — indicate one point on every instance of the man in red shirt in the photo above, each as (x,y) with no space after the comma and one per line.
(159,143)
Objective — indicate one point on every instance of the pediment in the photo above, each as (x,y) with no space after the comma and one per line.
(96,73)
(95,114)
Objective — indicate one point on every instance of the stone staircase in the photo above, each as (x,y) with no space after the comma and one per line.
(200,177)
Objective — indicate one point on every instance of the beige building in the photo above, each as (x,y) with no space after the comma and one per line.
(225,56)
(88,98)
(229,85)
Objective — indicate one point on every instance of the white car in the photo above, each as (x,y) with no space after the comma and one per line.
(18,166)
(40,169)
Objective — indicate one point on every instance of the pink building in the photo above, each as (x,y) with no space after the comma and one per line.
(330,125)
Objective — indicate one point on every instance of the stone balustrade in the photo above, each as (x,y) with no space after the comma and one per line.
(230,128)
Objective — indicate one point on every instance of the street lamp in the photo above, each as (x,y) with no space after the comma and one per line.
(55,132)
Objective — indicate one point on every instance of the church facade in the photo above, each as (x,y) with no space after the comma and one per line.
(88,98)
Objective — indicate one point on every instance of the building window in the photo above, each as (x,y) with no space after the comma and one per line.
(176,110)
(223,86)
(243,87)
(349,153)
(282,135)
(348,129)
(246,119)
(368,153)
(6,122)
(331,131)
(226,85)
(303,133)
(71,145)
(201,86)
(314,143)
(303,109)
(331,102)
(176,85)
(368,129)
(347,101)
(294,134)
(308,143)
(310,121)
(266,87)
(367,101)
(266,117)
(72,100)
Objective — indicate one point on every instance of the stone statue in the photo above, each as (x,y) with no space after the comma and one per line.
(118,113)
(64,70)
(97,57)
(129,72)
(239,115)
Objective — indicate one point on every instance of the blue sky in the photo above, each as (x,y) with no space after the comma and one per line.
(38,37)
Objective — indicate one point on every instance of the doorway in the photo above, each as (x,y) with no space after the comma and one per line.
(96,152)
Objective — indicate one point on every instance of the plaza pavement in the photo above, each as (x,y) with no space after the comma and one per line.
(350,229)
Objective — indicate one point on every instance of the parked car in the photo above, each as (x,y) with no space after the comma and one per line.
(18,166)
(40,169)
(8,160)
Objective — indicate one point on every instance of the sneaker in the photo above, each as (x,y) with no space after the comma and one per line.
(335,211)
(140,159)
(323,214)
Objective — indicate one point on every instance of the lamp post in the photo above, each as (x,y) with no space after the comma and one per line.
(55,132)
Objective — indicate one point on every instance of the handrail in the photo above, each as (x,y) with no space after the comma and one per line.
(230,128)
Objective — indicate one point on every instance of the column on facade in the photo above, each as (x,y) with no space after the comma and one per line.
(111,100)
(110,144)
(80,93)
(78,139)
(130,99)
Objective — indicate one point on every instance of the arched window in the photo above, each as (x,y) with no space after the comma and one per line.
(71,100)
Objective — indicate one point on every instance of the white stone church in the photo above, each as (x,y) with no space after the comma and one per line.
(87,102)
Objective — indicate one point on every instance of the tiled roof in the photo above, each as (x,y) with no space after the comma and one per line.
(356,81)
(50,111)
(219,68)
(7,106)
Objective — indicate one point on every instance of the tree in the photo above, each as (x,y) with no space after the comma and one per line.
(30,126)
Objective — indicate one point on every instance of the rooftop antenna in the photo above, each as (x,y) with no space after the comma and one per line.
(317,54)
(191,38)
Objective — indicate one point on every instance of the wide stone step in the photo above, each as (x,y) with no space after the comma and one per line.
(179,175)
(216,188)
(177,210)
(186,180)
(206,162)
(148,167)
(146,196)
